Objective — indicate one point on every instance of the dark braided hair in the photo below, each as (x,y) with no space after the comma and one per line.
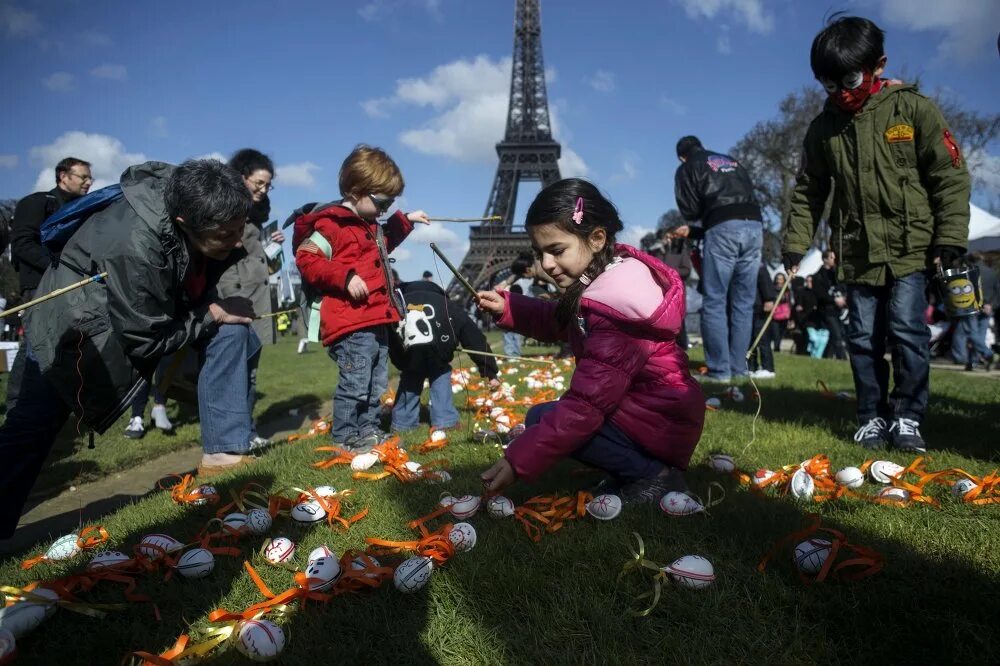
(555,205)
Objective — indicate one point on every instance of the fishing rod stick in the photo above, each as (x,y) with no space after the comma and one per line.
(492,218)
(770,315)
(53,294)
(461,278)
(513,358)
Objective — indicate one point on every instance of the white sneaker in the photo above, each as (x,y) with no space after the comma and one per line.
(159,414)
(763,374)
(135,429)
(303,345)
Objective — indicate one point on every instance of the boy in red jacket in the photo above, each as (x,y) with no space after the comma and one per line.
(346,259)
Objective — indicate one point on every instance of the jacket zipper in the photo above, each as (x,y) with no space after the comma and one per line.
(903,182)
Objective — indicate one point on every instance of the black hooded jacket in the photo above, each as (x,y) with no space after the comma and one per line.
(714,188)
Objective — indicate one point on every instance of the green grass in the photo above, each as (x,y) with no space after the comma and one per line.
(514,601)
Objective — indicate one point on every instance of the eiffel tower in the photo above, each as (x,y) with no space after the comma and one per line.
(527,153)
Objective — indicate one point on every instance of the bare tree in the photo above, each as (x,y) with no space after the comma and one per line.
(672,218)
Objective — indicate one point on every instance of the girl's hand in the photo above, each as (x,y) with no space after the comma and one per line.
(499,476)
(492,302)
(357,288)
(418,216)
(277,237)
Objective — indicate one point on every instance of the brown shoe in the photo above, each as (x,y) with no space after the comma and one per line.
(209,471)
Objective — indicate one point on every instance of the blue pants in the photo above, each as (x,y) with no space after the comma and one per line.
(228,365)
(894,314)
(142,397)
(818,338)
(970,329)
(26,438)
(363,360)
(512,343)
(406,412)
(729,284)
(609,449)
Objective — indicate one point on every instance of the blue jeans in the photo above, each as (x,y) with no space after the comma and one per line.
(893,314)
(406,412)
(152,386)
(25,441)
(729,283)
(512,343)
(970,329)
(609,449)
(818,338)
(228,363)
(363,360)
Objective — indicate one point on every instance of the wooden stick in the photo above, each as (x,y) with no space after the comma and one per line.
(770,315)
(492,218)
(53,294)
(513,358)
(461,278)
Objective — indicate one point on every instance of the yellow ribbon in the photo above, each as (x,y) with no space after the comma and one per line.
(639,563)
(15,594)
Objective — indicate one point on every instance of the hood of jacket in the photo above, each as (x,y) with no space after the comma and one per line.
(143,186)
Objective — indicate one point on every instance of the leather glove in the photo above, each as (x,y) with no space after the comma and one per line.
(791,260)
(948,254)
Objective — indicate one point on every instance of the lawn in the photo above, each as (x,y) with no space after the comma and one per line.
(511,600)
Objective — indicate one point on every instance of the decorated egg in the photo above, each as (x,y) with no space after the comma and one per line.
(605,507)
(801,485)
(438,476)
(196,563)
(21,618)
(363,461)
(322,573)
(236,521)
(154,546)
(38,597)
(363,562)
(260,640)
(679,504)
(412,466)
(961,487)
(811,555)
(64,548)
(721,463)
(324,491)
(321,551)
(882,471)
(713,402)
(465,506)
(517,430)
(500,507)
(439,436)
(692,571)
(258,521)
(205,494)
(462,537)
(278,549)
(447,500)
(412,574)
(851,477)
(307,513)
(106,559)
(894,494)
(762,476)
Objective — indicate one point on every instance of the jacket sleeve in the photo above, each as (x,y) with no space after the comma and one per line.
(472,338)
(26,237)
(533,317)
(766,286)
(945,175)
(688,192)
(396,230)
(812,188)
(139,302)
(328,275)
(604,373)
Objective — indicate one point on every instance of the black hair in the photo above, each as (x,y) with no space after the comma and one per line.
(648,241)
(248,160)
(67,163)
(427,274)
(516,289)
(206,194)
(826,254)
(688,145)
(556,204)
(519,267)
(847,44)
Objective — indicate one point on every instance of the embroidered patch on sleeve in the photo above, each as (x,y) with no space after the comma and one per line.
(953,149)
(899,133)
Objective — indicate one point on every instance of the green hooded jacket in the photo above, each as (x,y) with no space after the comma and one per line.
(900,186)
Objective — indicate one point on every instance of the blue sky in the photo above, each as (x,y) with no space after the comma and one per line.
(120,82)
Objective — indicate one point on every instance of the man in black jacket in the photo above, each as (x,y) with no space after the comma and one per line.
(91,351)
(831,302)
(73,180)
(715,190)
(432,331)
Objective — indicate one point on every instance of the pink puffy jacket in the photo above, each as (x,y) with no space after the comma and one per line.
(629,368)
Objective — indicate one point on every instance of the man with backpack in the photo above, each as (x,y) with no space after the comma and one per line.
(30,257)
(90,352)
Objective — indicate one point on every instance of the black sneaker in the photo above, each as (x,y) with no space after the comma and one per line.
(362,444)
(905,435)
(644,491)
(135,428)
(606,486)
(873,435)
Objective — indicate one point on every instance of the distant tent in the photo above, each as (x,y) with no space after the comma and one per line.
(984,230)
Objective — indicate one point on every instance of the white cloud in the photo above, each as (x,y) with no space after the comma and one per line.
(440,235)
(106,154)
(214,155)
(16,22)
(571,165)
(633,233)
(59,82)
(602,81)
(401,254)
(375,10)
(95,38)
(376,108)
(158,127)
(970,26)
(748,12)
(109,71)
(723,44)
(629,167)
(8,161)
(297,175)
(985,170)
(672,105)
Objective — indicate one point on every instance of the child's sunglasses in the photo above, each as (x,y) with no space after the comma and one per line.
(382,204)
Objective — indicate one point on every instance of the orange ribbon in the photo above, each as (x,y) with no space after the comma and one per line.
(300,593)
(182,492)
(550,512)
(164,658)
(436,545)
(339,457)
(863,563)
(84,541)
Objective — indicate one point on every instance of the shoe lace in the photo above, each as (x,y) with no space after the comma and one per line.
(907,427)
(874,428)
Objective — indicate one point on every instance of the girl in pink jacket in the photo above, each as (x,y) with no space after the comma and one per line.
(632,409)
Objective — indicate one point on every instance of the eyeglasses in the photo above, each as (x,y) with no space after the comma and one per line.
(83,178)
(381,204)
(260,185)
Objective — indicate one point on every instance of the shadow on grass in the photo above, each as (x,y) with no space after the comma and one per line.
(306,406)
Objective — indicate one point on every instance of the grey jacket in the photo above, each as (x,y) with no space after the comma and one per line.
(106,336)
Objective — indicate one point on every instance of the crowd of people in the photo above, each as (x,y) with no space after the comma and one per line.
(183,253)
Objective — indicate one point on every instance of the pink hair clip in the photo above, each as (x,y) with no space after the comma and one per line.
(578,213)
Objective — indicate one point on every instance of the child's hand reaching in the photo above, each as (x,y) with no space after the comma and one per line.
(357,288)
(492,302)
(418,216)
(499,476)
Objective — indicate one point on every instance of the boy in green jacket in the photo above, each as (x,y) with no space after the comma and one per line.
(900,206)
